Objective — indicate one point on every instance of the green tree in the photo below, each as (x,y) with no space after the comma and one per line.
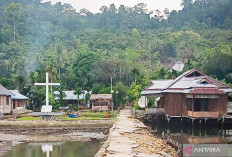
(14,11)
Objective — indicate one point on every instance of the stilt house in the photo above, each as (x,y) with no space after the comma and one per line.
(192,94)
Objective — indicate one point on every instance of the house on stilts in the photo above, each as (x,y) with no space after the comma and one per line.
(193,94)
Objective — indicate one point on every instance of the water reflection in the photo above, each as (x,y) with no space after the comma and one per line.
(182,132)
(67,149)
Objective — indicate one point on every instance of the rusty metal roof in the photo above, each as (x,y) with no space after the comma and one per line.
(191,81)
(101,96)
(206,91)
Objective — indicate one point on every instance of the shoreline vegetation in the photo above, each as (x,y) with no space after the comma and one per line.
(87,115)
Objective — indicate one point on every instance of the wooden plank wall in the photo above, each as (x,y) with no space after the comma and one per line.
(175,104)
(220,104)
(3,107)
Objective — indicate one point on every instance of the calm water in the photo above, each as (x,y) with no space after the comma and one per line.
(67,149)
(178,133)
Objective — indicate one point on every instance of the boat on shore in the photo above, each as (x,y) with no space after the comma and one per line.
(73,115)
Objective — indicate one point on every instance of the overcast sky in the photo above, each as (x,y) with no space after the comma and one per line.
(94,5)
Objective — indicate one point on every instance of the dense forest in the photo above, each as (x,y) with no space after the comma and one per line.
(132,45)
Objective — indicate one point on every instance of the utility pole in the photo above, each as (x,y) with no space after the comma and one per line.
(112,91)
(116,95)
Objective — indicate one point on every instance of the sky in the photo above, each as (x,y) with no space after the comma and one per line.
(95,5)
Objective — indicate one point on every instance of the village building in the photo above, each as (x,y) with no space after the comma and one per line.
(19,101)
(101,102)
(5,101)
(193,94)
(71,98)
(178,66)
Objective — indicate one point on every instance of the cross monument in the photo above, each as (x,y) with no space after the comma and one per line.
(47,108)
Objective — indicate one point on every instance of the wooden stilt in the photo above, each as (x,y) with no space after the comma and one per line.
(193,127)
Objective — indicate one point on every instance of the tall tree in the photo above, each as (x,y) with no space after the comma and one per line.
(14,11)
(186,4)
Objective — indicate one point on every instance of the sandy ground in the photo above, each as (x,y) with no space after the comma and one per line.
(130,138)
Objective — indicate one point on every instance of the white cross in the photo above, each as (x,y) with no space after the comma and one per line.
(47,84)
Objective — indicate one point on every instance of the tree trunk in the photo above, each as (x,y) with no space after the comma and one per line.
(78,102)
(59,72)
(14,31)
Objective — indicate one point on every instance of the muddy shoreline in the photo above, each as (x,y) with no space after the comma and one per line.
(57,123)
(53,131)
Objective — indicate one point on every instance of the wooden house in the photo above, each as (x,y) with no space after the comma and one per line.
(192,94)
(5,100)
(19,101)
(101,102)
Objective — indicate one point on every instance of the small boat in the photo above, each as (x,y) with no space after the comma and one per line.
(73,115)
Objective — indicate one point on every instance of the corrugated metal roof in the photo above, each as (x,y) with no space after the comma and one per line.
(187,82)
(69,95)
(216,82)
(146,92)
(17,95)
(177,91)
(159,84)
(4,91)
(228,90)
(206,91)
(101,96)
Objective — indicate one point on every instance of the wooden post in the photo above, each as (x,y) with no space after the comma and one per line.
(223,121)
(193,127)
(200,126)
(192,105)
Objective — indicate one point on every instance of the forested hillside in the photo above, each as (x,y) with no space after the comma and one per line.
(82,50)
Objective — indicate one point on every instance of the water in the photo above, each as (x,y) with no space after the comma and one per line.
(66,149)
(178,132)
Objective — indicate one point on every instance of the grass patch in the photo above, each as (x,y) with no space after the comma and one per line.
(82,118)
(97,114)
(28,118)
(89,115)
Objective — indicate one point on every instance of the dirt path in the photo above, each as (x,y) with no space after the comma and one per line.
(130,137)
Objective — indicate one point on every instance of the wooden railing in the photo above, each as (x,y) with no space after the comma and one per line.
(203,114)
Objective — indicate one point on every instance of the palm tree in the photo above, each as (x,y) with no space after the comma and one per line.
(78,92)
